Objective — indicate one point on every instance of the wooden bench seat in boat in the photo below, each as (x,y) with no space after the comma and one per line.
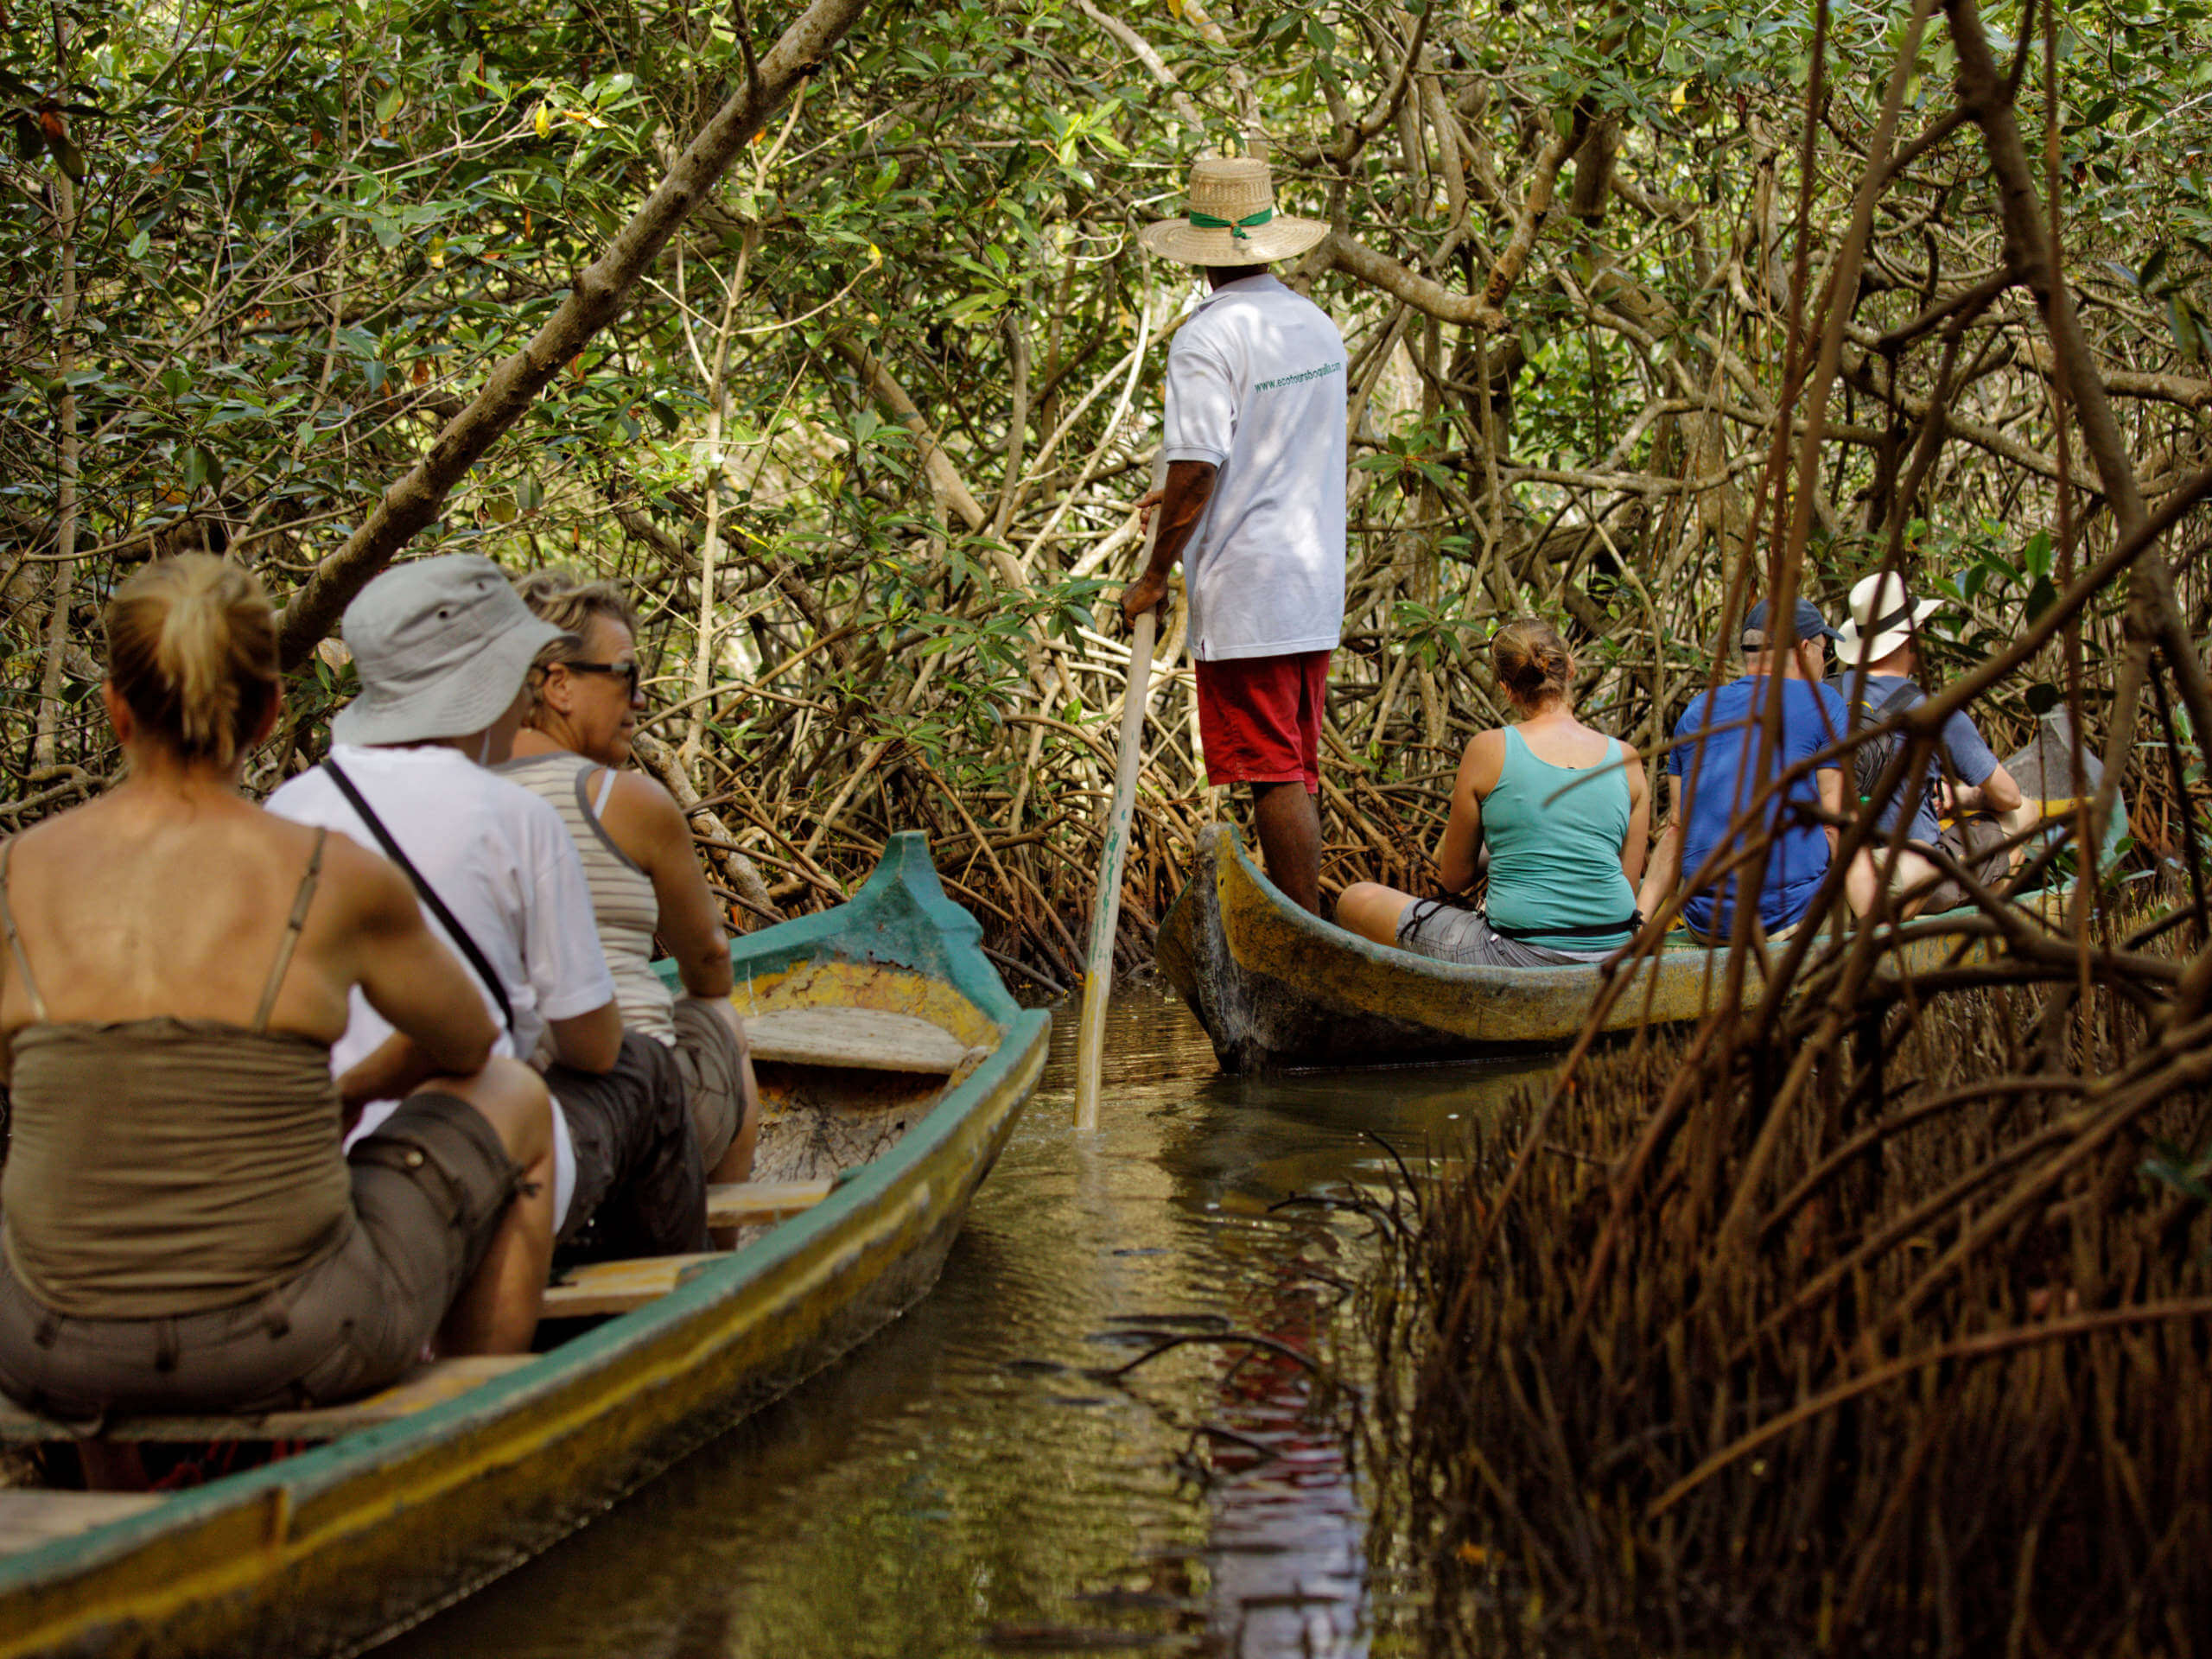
(865,1038)
(431,1385)
(30,1517)
(748,1204)
(604,1288)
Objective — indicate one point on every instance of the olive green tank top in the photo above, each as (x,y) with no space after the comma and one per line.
(165,1166)
(1555,835)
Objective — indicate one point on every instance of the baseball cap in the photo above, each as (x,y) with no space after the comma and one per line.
(1811,625)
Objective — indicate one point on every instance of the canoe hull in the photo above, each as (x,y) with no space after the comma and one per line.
(330,1551)
(1279,990)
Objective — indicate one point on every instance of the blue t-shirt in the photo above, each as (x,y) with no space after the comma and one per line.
(1715,745)
(1965,755)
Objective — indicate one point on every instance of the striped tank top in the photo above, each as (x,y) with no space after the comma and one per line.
(622,899)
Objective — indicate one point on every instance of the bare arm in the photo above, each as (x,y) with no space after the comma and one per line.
(1998,793)
(1459,851)
(590,1042)
(646,823)
(1830,779)
(1182,502)
(1637,843)
(1666,868)
(406,971)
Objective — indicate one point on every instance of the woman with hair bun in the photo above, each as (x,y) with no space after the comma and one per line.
(1559,813)
(179,1230)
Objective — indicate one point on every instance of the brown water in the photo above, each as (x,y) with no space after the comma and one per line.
(962,1485)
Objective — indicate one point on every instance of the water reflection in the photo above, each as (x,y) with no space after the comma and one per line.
(973,1482)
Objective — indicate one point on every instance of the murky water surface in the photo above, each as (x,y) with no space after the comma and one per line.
(968,1483)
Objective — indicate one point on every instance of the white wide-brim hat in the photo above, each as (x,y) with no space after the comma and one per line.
(442,647)
(1884,616)
(1232,219)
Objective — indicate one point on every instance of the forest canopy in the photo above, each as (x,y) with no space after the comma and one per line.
(865,431)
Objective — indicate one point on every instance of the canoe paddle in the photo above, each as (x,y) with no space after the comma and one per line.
(1106,913)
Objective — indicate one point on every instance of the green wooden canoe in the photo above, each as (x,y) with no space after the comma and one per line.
(882,1031)
(1278,988)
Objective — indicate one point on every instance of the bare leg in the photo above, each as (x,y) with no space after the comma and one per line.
(1372,911)
(1289,823)
(497,1311)
(1911,874)
(736,1164)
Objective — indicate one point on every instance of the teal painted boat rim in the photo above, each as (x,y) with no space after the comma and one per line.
(904,885)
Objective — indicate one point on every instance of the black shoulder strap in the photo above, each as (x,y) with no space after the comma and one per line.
(1587,930)
(1901,695)
(451,923)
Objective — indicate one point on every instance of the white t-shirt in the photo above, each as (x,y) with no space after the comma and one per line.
(501,859)
(1255,385)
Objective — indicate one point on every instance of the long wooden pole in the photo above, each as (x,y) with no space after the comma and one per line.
(1106,913)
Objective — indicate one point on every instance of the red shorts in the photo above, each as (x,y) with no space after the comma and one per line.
(1260,719)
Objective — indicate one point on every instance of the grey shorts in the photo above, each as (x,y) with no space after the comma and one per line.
(641,1188)
(430,1187)
(1463,936)
(711,1065)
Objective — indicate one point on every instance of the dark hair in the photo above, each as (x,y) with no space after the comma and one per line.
(1531,661)
(192,649)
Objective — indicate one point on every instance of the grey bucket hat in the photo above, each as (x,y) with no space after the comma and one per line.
(442,647)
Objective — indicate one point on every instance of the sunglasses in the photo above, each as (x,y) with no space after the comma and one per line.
(630,673)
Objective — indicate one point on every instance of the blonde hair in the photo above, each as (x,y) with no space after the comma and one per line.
(1531,662)
(569,602)
(192,649)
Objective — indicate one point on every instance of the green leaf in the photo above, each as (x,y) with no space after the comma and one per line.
(2187,337)
(2041,597)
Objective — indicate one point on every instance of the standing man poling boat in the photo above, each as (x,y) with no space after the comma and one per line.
(1254,504)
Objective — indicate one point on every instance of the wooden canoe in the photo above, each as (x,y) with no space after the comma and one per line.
(884,1033)
(1278,988)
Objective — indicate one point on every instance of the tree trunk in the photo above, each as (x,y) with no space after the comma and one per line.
(413,501)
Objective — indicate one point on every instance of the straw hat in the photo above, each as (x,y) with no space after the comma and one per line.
(1232,219)
(1882,617)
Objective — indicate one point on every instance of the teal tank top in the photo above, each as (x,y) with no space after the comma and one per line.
(1555,835)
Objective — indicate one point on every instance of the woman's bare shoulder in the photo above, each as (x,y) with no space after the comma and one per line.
(645,817)
(1486,742)
(1484,759)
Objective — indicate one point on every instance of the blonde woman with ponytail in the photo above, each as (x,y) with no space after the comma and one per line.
(178,1229)
(1560,815)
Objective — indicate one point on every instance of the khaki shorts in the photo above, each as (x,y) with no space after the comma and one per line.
(713,1067)
(430,1187)
(1978,845)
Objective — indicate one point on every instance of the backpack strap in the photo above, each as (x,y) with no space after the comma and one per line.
(451,923)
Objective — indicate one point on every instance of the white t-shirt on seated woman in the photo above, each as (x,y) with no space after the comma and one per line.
(501,859)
